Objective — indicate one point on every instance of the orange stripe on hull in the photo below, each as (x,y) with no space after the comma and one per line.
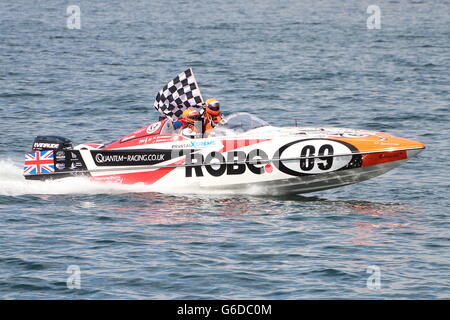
(375,143)
(382,157)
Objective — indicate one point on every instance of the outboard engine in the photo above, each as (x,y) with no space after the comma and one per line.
(42,143)
(61,162)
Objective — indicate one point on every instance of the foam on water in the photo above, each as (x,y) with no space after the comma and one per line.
(14,184)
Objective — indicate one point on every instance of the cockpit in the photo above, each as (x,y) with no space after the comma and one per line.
(238,123)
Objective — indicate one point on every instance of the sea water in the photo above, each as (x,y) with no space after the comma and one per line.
(314,63)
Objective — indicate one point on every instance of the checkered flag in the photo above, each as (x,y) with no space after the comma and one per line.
(178,95)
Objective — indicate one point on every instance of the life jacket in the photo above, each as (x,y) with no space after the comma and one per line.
(211,121)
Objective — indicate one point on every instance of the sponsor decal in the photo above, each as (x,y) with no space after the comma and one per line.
(315,156)
(387,143)
(153,128)
(202,144)
(181,146)
(60,155)
(127,138)
(156,139)
(353,134)
(100,158)
(44,145)
(130,158)
(297,158)
(237,162)
(60,166)
(110,179)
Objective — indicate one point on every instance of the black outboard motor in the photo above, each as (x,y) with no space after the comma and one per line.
(66,161)
(42,143)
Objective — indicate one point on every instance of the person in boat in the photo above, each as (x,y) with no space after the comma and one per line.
(212,115)
(197,123)
(190,122)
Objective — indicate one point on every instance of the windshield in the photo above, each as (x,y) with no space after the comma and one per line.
(238,123)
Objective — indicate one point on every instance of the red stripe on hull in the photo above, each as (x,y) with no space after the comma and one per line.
(229,145)
(146,177)
(371,159)
(150,177)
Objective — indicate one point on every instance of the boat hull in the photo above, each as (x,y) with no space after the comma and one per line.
(273,160)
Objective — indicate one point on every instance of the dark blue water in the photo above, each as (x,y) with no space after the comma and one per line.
(311,61)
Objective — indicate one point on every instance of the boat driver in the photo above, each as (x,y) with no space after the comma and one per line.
(190,123)
(193,123)
(212,115)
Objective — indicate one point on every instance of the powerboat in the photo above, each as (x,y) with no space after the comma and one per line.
(242,152)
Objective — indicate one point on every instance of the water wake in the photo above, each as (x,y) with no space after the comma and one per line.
(12,183)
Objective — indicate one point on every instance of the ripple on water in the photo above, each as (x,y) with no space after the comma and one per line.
(305,62)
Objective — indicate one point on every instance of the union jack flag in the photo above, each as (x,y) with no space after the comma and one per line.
(39,162)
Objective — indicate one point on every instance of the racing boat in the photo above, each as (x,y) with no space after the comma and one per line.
(243,152)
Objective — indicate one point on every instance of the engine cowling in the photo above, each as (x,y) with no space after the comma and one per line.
(42,143)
